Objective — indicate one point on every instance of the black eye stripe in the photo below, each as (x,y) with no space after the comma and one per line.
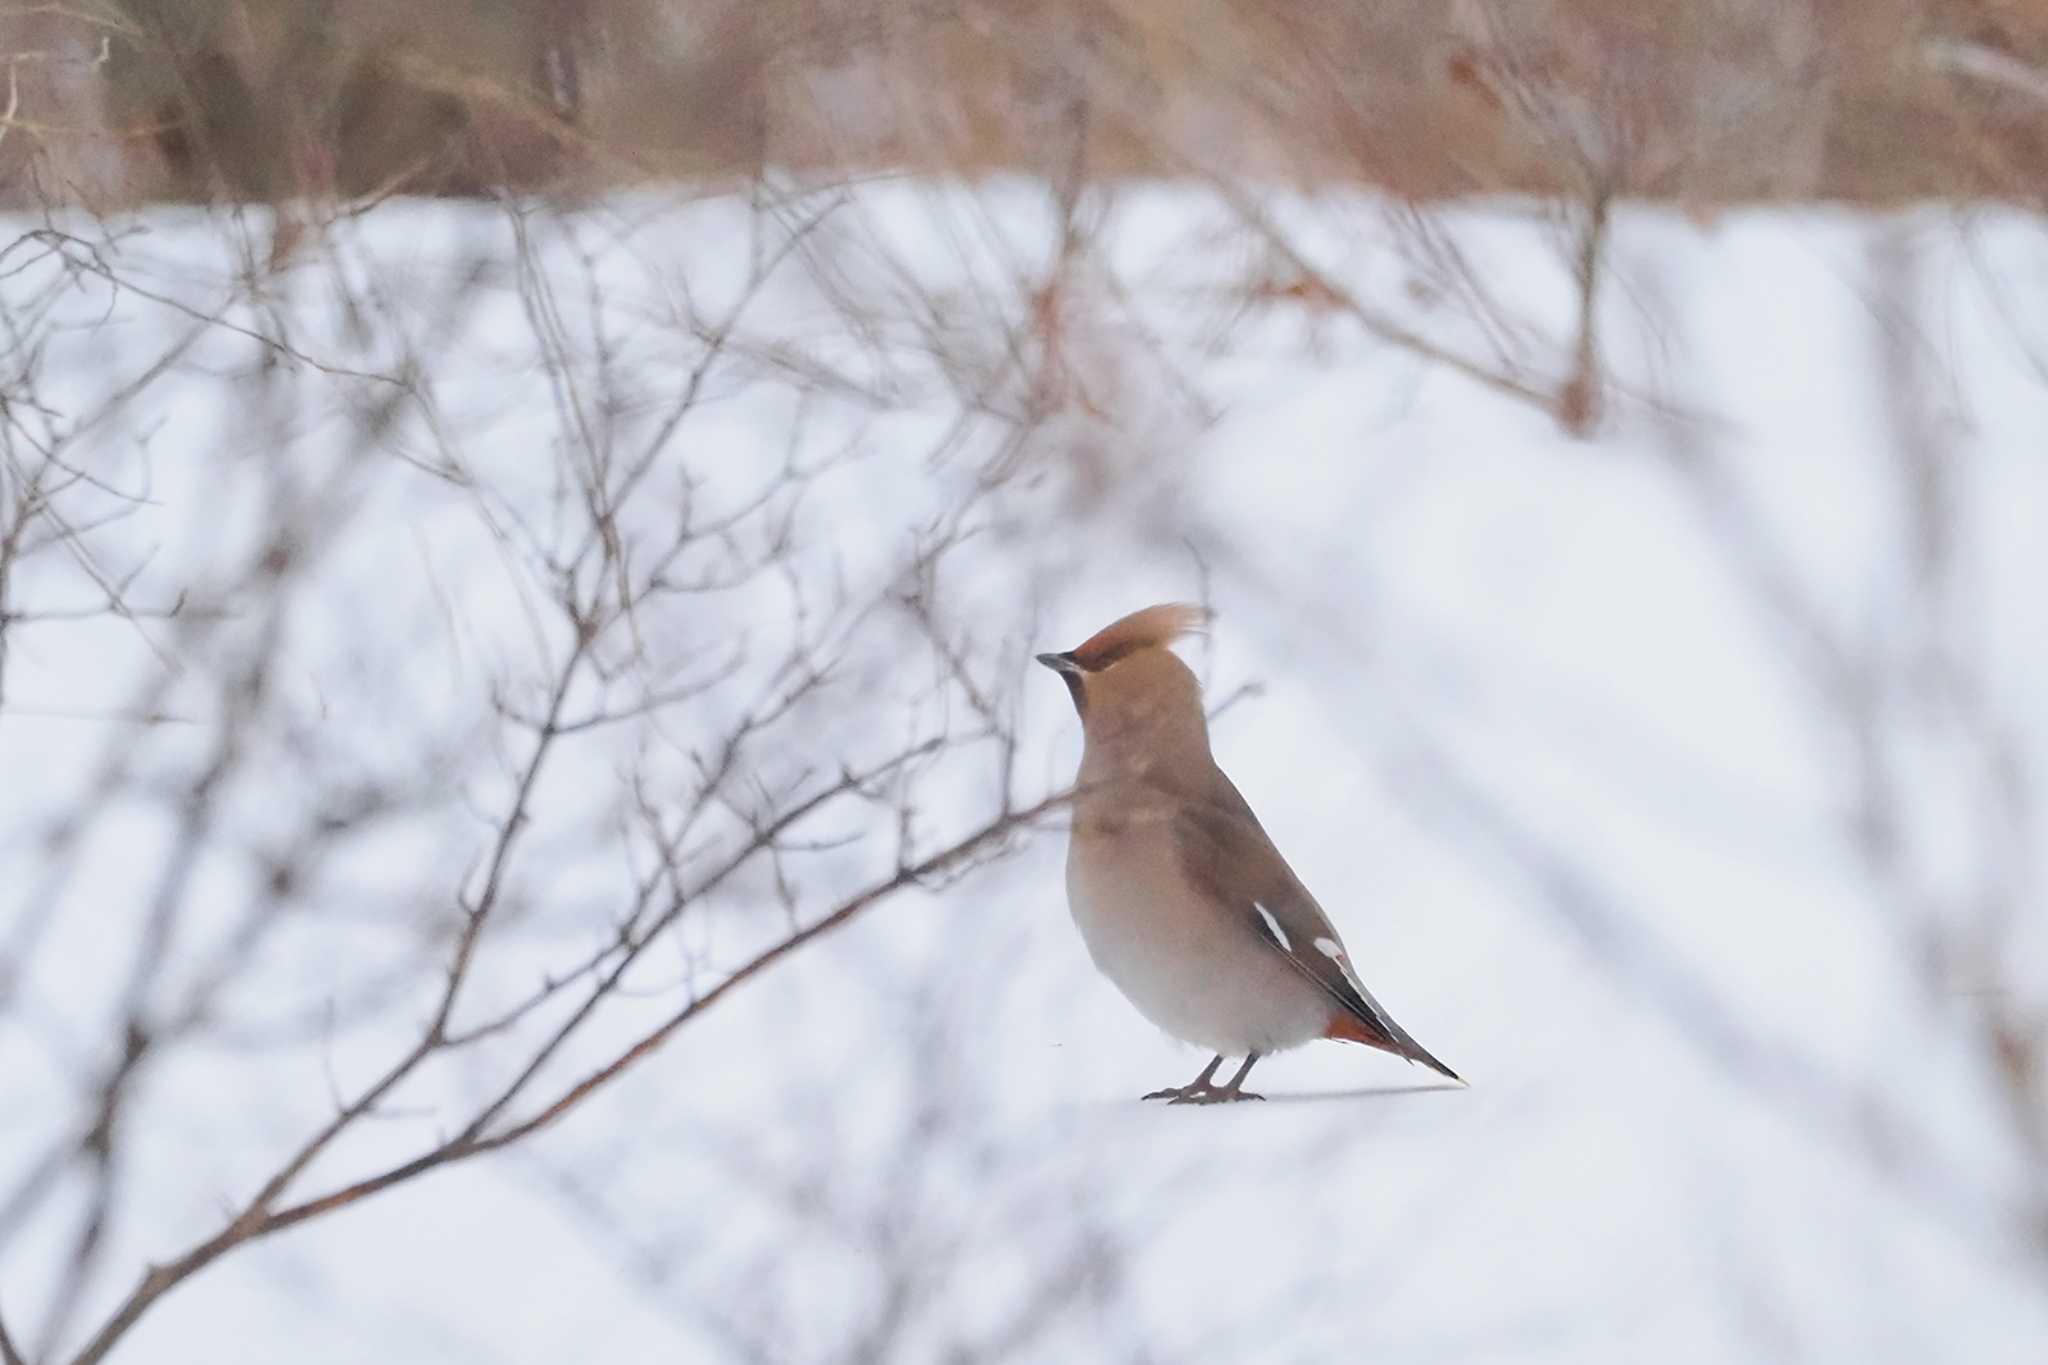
(1075,691)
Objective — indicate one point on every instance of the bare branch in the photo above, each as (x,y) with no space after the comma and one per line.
(257,1221)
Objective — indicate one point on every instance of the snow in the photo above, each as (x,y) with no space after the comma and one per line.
(1472,633)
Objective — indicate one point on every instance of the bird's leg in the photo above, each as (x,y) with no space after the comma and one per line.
(1235,1090)
(1200,1091)
(1198,1086)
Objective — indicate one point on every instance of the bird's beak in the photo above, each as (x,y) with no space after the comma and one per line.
(1060,663)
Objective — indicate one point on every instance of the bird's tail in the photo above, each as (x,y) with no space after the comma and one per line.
(1383,1033)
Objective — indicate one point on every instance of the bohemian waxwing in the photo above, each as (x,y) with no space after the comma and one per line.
(1179,894)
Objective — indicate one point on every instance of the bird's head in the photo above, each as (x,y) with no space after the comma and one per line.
(1127,683)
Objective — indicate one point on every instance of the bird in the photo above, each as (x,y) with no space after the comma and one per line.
(1181,897)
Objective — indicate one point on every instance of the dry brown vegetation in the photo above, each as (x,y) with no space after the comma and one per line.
(117,100)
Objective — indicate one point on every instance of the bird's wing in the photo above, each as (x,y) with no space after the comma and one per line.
(1226,853)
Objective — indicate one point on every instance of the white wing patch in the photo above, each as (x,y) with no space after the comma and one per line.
(1333,950)
(1273,928)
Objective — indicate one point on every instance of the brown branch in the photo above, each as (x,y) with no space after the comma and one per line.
(91,264)
(434,1036)
(945,860)
(1578,402)
(1371,319)
(159,1280)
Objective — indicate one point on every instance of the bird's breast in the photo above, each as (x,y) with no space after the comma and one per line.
(1187,964)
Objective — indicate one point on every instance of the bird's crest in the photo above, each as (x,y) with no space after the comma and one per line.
(1152,628)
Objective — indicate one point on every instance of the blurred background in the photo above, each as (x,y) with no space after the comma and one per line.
(529,828)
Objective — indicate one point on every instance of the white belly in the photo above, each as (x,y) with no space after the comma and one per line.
(1189,967)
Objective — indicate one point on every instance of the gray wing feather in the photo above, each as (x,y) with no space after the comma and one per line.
(1227,853)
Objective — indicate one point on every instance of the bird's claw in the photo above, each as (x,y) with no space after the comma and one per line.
(1202,1094)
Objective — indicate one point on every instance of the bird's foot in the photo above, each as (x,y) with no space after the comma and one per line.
(1202,1094)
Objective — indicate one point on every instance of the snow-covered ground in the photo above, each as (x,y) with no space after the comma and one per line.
(1565,733)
